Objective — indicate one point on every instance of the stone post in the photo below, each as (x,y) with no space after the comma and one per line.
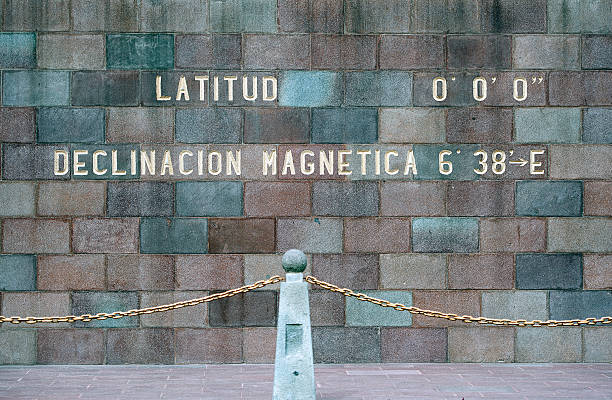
(293,367)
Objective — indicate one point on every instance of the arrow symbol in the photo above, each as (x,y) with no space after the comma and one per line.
(521,161)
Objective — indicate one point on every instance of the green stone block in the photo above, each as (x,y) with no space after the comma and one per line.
(361,313)
(344,125)
(209,199)
(462,157)
(579,16)
(135,51)
(71,125)
(378,88)
(547,125)
(17,50)
(107,302)
(17,346)
(549,198)
(243,15)
(445,235)
(17,199)
(174,235)
(17,272)
(35,88)
(310,89)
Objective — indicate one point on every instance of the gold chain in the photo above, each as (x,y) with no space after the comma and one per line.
(454,317)
(140,311)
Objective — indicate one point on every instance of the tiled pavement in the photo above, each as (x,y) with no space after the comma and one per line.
(363,381)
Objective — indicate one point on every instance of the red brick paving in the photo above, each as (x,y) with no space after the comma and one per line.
(334,382)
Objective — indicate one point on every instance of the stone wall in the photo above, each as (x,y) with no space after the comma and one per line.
(351,75)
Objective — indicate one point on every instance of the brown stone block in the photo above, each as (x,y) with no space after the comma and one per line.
(580,88)
(343,52)
(277,199)
(597,270)
(76,272)
(377,235)
(70,346)
(326,308)
(140,272)
(480,198)
(17,125)
(35,236)
(512,235)
(413,344)
(71,198)
(481,344)
(413,199)
(140,346)
(251,235)
(597,199)
(479,125)
(187,317)
(411,52)
(481,271)
(277,125)
(357,271)
(209,272)
(259,345)
(105,235)
(217,345)
(448,301)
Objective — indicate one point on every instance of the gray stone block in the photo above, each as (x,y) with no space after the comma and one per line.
(515,304)
(549,198)
(598,344)
(513,16)
(140,346)
(411,52)
(479,125)
(209,125)
(482,51)
(173,16)
(360,313)
(37,15)
(547,125)
(318,235)
(440,235)
(35,88)
(243,15)
(378,88)
(311,16)
(588,235)
(277,125)
(549,271)
(276,52)
(29,162)
(135,199)
(597,125)
(345,198)
(105,88)
(17,199)
(413,271)
(18,346)
(576,16)
(597,52)
(343,52)
(110,15)
(17,125)
(580,304)
(548,345)
(140,125)
(595,162)
(61,51)
(412,125)
(142,51)
(546,52)
(208,51)
(344,125)
(209,199)
(17,50)
(71,125)
(337,345)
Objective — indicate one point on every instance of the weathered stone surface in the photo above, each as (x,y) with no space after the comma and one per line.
(219,345)
(597,52)
(344,125)
(453,301)
(209,272)
(252,309)
(596,271)
(549,198)
(412,125)
(413,345)
(435,235)
(326,309)
(29,162)
(17,125)
(37,15)
(259,345)
(242,16)
(18,346)
(481,344)
(173,235)
(140,272)
(207,199)
(591,88)
(276,52)
(412,198)
(547,125)
(411,52)
(482,51)
(565,304)
(595,162)
(361,313)
(377,235)
(189,317)
(588,16)
(97,302)
(140,346)
(481,271)
(35,88)
(515,305)
(111,15)
(311,16)
(345,198)
(378,88)
(512,234)
(479,125)
(134,199)
(546,52)
(249,235)
(75,272)
(208,51)
(548,345)
(277,199)
(588,235)
(209,125)
(480,198)
(146,51)
(173,16)
(336,345)
(36,303)
(61,51)
(277,125)
(597,125)
(597,344)
(17,272)
(70,125)
(17,50)
(513,16)
(343,52)
(141,125)
(317,235)
(71,198)
(35,236)
(359,271)
(105,88)
(310,89)
(105,235)
(412,271)
(17,199)
(548,271)
(70,346)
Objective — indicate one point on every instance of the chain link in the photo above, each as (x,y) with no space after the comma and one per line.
(140,311)
(454,317)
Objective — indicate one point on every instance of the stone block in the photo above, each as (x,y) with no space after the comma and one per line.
(597,125)
(275,199)
(214,199)
(108,302)
(17,199)
(527,305)
(111,15)
(256,308)
(549,198)
(580,304)
(595,162)
(71,272)
(277,125)
(140,346)
(209,125)
(513,16)
(259,345)
(481,271)
(36,236)
(248,235)
(35,88)
(572,88)
(588,16)
(345,198)
(29,162)
(37,15)
(71,198)
(140,272)
(17,50)
(479,125)
(326,308)
(243,15)
(547,125)
(344,125)
(209,272)
(407,345)
(439,235)
(17,125)
(548,345)
(411,52)
(412,125)
(219,345)
(17,346)
(173,16)
(361,313)
(481,344)
(336,345)
(316,235)
(105,88)
(141,125)
(17,272)
(139,51)
(546,52)
(378,88)
(412,198)
(37,303)
(173,235)
(549,271)
(461,157)
(208,51)
(482,51)
(464,302)
(276,52)
(343,52)
(596,271)
(597,345)
(70,125)
(377,235)
(412,271)
(358,271)
(512,235)
(262,266)
(105,235)
(311,16)
(62,51)
(188,317)
(70,346)
(597,52)
(587,235)
(310,89)
(480,198)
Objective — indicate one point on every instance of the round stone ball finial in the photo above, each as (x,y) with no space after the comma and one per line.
(294,261)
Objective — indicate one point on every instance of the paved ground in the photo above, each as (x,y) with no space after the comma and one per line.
(370,381)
